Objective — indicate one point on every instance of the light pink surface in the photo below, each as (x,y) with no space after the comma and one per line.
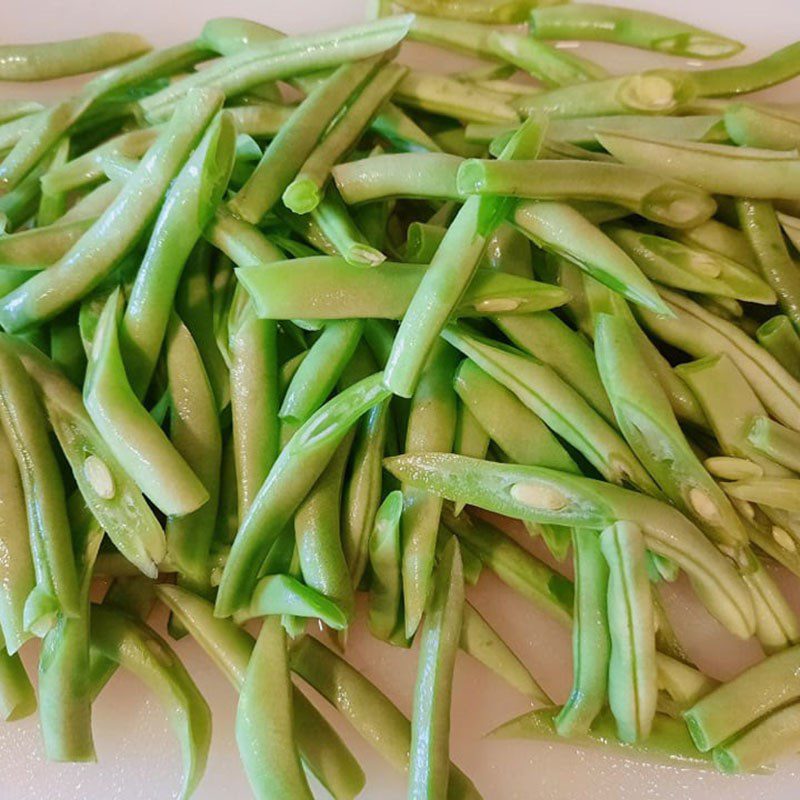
(138,757)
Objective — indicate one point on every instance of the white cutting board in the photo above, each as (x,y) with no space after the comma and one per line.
(138,757)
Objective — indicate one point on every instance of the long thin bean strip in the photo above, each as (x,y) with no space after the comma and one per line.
(372,714)
(297,468)
(429,763)
(43,62)
(774,440)
(595,22)
(130,432)
(118,229)
(538,494)
(109,492)
(645,417)
(782,340)
(760,224)
(264,720)
(591,645)
(752,126)
(717,168)
(676,204)
(230,647)
(139,649)
(385,556)
(324,287)
(23,420)
(632,688)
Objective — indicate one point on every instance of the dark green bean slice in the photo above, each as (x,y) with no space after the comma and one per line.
(429,760)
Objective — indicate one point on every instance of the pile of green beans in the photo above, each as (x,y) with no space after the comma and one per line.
(266,356)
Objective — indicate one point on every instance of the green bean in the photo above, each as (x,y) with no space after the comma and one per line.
(778,336)
(730,405)
(430,175)
(230,647)
(52,205)
(776,624)
(429,763)
(261,120)
(701,334)
(594,22)
(547,64)
(35,249)
(43,62)
(17,697)
(140,650)
(657,91)
(509,251)
(503,416)
(733,469)
(668,743)
(93,203)
(130,433)
(17,577)
(254,397)
(296,140)
(402,132)
(187,208)
(12,109)
(684,684)
(317,525)
(335,223)
(440,94)
(749,697)
(540,495)
(100,248)
(632,687)
(558,405)
(791,227)
(591,644)
(513,565)
(778,67)
(363,489)
(687,267)
(317,375)
(673,203)
(368,710)
(470,438)
(65,686)
(297,468)
(323,287)
(109,492)
(385,556)
(775,492)
(548,339)
(760,224)
(195,434)
(264,720)
(22,418)
(775,441)
(284,58)
(646,420)
(431,428)
(717,168)
(304,193)
(755,126)
(716,237)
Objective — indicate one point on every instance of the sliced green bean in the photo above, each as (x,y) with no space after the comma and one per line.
(778,67)
(657,91)
(335,223)
(129,431)
(591,643)
(669,742)
(296,140)
(676,204)
(780,338)
(297,468)
(701,334)
(230,647)
(632,687)
(558,405)
(304,193)
(776,623)
(366,708)
(779,443)
(429,761)
(187,208)
(23,420)
(756,126)
(17,696)
(595,22)
(385,557)
(648,424)
(760,224)
(513,565)
(539,494)
(100,248)
(139,649)
(717,168)
(324,287)
(775,492)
